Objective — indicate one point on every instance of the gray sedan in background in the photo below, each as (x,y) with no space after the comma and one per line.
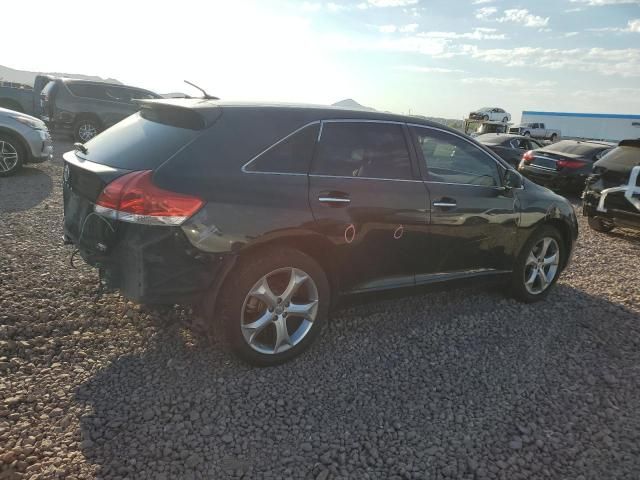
(23,139)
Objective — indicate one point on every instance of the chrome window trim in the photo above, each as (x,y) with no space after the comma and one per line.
(322,175)
(500,164)
(244,167)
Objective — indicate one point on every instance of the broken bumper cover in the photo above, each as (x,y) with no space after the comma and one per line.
(155,265)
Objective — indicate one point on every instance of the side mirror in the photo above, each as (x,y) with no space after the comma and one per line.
(512,179)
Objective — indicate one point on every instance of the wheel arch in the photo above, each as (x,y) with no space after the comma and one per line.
(88,116)
(565,232)
(21,141)
(11,104)
(312,244)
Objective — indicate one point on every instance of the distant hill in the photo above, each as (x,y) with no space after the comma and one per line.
(351,103)
(22,76)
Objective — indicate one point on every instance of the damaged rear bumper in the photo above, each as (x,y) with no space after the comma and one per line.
(155,265)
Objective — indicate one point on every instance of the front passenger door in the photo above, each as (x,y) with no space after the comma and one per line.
(473,217)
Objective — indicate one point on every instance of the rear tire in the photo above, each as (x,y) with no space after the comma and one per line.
(599,224)
(554,138)
(527,134)
(273,305)
(538,265)
(12,155)
(505,119)
(485,118)
(85,129)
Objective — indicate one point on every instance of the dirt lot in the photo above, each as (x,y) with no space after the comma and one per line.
(461,384)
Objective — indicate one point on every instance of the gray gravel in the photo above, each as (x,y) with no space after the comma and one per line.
(463,384)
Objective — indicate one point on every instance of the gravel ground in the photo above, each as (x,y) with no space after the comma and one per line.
(462,384)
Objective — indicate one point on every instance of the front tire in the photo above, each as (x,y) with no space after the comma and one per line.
(554,138)
(485,118)
(527,134)
(505,119)
(11,155)
(85,129)
(273,305)
(538,265)
(599,224)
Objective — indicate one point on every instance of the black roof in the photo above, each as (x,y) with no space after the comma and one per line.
(307,113)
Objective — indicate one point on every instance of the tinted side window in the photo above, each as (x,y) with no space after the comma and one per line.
(292,155)
(450,159)
(87,90)
(116,94)
(363,149)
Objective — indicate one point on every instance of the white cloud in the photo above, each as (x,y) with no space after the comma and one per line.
(387,28)
(419,69)
(571,34)
(410,28)
(387,3)
(336,7)
(633,26)
(507,82)
(523,17)
(311,6)
(476,34)
(610,62)
(480,2)
(600,3)
(485,12)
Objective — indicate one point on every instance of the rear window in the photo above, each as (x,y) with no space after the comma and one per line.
(576,148)
(291,155)
(620,159)
(137,143)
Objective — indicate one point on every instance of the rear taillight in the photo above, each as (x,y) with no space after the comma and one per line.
(528,157)
(134,198)
(571,164)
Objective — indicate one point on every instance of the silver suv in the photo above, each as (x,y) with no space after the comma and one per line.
(23,139)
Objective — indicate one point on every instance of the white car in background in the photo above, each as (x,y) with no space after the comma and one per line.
(491,113)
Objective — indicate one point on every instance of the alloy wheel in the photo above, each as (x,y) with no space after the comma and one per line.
(541,266)
(279,310)
(8,157)
(87,131)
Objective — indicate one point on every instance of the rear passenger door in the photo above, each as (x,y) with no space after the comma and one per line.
(473,218)
(367,198)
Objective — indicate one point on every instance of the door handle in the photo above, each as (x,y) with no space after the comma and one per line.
(334,199)
(445,203)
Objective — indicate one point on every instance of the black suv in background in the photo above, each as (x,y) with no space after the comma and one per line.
(85,108)
(611,197)
(261,216)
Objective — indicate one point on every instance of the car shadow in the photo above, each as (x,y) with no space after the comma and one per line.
(27,188)
(627,234)
(466,358)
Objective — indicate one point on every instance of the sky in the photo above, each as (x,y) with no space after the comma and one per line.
(440,58)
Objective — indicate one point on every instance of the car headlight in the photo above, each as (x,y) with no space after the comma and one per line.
(30,122)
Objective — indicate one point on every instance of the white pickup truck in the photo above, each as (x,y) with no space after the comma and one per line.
(536,130)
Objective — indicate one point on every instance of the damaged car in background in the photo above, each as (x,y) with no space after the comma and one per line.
(262,216)
(611,197)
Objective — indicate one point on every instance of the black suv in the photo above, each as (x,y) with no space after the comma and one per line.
(261,216)
(611,197)
(84,108)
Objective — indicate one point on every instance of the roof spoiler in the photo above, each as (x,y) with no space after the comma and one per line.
(193,115)
(630,143)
